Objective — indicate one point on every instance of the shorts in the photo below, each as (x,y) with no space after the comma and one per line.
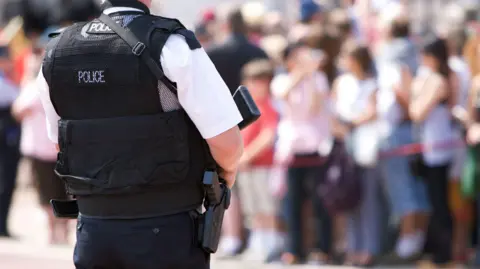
(462,208)
(254,191)
(48,185)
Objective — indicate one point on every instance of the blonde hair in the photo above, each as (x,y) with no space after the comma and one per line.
(471,53)
(274,45)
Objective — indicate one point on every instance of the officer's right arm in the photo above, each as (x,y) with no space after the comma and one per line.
(207,100)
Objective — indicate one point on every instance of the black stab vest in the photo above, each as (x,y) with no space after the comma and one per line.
(120,154)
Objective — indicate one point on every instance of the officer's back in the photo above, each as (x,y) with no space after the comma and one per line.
(232,55)
(132,148)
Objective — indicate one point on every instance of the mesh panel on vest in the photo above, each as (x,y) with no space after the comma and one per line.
(168,100)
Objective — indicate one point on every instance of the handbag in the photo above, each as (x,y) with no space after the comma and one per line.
(417,166)
(341,191)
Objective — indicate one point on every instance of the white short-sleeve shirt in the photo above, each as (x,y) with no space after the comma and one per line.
(202,93)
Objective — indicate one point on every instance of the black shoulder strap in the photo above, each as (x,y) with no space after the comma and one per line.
(139,49)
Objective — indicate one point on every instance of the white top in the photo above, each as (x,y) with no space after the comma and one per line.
(8,92)
(460,67)
(353,96)
(34,139)
(201,91)
(300,130)
(390,113)
(352,99)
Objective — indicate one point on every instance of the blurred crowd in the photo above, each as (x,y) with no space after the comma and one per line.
(367,148)
(361,155)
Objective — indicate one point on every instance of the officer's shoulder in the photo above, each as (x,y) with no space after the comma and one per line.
(173,26)
(58,32)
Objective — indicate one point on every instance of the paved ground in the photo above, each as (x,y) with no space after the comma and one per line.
(31,251)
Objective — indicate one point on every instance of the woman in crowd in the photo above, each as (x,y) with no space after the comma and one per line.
(354,98)
(470,182)
(397,64)
(38,150)
(462,207)
(430,111)
(303,129)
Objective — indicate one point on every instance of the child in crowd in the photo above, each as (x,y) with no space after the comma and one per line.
(256,163)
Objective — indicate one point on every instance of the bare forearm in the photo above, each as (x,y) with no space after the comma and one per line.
(296,78)
(368,116)
(403,99)
(227,149)
(265,140)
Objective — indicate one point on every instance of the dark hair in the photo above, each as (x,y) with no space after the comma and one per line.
(319,38)
(438,49)
(340,22)
(290,49)
(361,54)
(236,21)
(400,28)
(258,69)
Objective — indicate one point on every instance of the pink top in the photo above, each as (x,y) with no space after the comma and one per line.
(300,130)
(34,140)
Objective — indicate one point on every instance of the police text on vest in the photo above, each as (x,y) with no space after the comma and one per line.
(98,27)
(91,77)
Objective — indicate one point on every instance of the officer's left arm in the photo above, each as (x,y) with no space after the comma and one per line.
(207,100)
(201,90)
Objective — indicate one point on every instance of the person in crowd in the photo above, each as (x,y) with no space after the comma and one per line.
(461,207)
(9,141)
(274,23)
(472,55)
(274,46)
(311,14)
(322,42)
(341,25)
(397,63)
(429,109)
(37,149)
(203,36)
(254,14)
(209,20)
(303,130)
(229,58)
(354,98)
(256,164)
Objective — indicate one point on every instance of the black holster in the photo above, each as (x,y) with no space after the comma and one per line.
(217,201)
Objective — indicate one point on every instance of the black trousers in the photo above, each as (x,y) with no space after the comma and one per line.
(440,230)
(168,242)
(9,157)
(302,183)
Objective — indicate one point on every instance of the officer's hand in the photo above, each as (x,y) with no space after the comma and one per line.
(229,177)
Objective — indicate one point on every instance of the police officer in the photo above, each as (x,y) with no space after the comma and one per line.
(132,147)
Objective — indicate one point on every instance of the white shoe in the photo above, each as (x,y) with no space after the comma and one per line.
(229,246)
